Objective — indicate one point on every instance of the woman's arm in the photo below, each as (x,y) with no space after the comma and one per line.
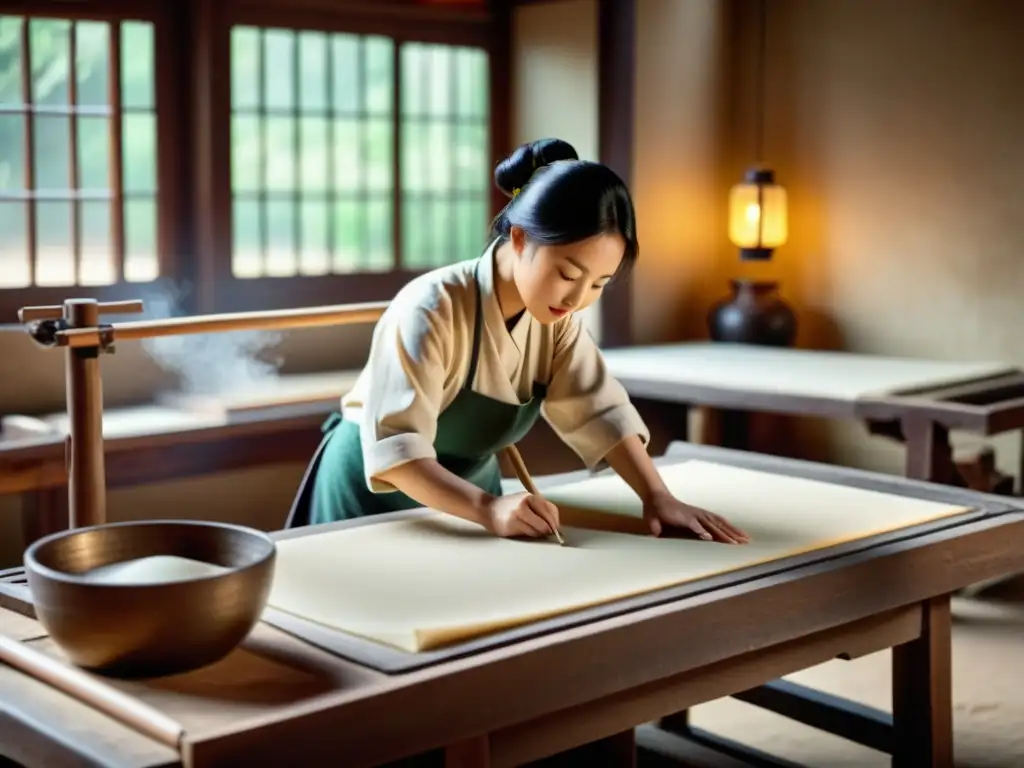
(433,486)
(632,463)
(630,460)
(427,482)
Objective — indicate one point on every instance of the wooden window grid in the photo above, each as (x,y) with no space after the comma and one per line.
(192,194)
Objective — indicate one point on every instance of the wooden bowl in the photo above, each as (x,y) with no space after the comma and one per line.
(155,617)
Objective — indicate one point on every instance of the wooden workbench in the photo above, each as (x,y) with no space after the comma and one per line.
(279,700)
(176,437)
(917,401)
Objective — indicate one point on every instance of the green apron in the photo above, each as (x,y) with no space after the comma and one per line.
(470,432)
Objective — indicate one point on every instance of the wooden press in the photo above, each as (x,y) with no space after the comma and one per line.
(76,326)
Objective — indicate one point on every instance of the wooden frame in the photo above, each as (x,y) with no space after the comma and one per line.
(169,240)
(193,119)
(617,116)
(220,290)
(313,704)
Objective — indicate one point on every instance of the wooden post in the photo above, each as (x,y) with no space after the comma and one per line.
(87,487)
(922,698)
(929,455)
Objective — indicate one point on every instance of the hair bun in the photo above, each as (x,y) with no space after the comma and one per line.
(514,171)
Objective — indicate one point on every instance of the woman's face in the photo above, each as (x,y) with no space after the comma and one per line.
(554,280)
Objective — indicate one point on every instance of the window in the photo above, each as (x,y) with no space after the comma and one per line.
(355,153)
(78,163)
(445,158)
(227,154)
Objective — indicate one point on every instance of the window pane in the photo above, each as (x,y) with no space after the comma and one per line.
(14,260)
(464,82)
(442,250)
(379,74)
(467,234)
(439,81)
(379,149)
(415,233)
(94,153)
(141,261)
(95,260)
(139,137)
(52,158)
(413,65)
(348,156)
(439,158)
(315,159)
(446,172)
(245,67)
(478,70)
(345,74)
(313,72)
(49,40)
(247,258)
(92,63)
(281,261)
(246,152)
(55,264)
(481,207)
(279,155)
(330,176)
(278,68)
(10,44)
(347,236)
(137,65)
(316,256)
(414,172)
(471,152)
(379,249)
(12,152)
(56,230)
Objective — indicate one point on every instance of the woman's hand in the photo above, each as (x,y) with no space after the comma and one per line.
(662,509)
(521,514)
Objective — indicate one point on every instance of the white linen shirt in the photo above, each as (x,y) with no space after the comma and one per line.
(420,355)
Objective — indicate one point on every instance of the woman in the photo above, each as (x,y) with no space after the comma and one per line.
(467,357)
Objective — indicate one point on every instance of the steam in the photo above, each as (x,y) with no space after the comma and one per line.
(210,363)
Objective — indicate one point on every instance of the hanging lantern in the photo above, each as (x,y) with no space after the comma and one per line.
(757,215)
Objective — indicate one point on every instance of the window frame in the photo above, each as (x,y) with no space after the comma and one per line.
(221,290)
(193,125)
(168,135)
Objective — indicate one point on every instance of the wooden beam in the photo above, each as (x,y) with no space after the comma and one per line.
(616,63)
(500,91)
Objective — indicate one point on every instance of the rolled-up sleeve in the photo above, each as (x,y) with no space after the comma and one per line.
(406,368)
(585,405)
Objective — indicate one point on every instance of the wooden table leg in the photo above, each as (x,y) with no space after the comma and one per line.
(471,753)
(677,723)
(929,453)
(618,750)
(922,699)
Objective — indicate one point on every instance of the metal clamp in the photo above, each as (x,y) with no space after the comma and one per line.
(44,332)
(45,323)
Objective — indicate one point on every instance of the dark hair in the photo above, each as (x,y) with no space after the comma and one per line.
(559,199)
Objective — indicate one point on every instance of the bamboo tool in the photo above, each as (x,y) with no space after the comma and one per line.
(129,711)
(524,477)
(76,327)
